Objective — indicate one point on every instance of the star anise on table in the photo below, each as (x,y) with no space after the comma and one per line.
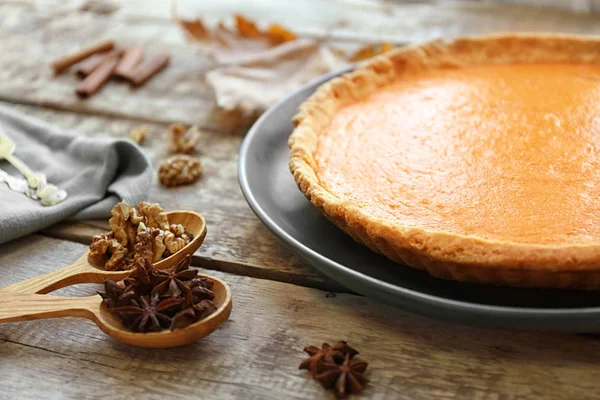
(345,378)
(326,353)
(172,282)
(150,314)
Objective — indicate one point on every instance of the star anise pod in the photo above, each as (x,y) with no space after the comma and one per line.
(193,313)
(149,314)
(171,282)
(139,282)
(345,378)
(333,354)
(113,294)
(201,289)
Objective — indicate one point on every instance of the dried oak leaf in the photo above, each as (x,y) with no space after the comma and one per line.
(256,68)
(194,28)
(255,83)
(370,50)
(228,46)
(278,34)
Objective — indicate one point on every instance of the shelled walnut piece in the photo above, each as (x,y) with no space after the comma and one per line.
(179,170)
(138,134)
(182,140)
(137,232)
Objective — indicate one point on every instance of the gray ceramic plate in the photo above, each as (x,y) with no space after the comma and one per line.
(273,195)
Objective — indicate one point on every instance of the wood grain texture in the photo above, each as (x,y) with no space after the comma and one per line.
(49,30)
(236,240)
(256,354)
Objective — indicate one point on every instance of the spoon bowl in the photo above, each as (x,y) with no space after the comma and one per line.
(24,307)
(83,271)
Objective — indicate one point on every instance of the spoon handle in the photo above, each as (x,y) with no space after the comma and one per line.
(25,307)
(78,272)
(32,177)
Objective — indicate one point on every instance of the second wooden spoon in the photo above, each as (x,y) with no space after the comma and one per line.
(25,307)
(81,271)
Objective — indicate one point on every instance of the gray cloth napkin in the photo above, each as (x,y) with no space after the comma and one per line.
(96,172)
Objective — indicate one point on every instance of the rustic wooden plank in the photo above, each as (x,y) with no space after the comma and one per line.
(30,40)
(256,354)
(179,93)
(237,241)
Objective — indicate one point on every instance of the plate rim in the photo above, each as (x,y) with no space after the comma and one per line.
(473,310)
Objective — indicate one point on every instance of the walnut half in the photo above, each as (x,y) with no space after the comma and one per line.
(153,215)
(182,140)
(179,170)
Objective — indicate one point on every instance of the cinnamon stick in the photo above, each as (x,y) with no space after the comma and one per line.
(133,56)
(147,70)
(88,66)
(65,62)
(97,78)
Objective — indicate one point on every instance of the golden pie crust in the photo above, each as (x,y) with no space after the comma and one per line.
(444,254)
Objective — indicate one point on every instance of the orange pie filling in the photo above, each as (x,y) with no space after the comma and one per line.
(502,152)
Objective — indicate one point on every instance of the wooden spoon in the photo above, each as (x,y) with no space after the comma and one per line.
(24,307)
(82,271)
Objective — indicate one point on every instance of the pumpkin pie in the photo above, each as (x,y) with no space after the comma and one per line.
(476,159)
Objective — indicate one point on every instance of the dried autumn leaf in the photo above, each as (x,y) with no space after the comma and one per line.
(234,47)
(371,50)
(246,28)
(259,67)
(278,34)
(195,29)
(252,86)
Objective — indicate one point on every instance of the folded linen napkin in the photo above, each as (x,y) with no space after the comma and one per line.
(96,172)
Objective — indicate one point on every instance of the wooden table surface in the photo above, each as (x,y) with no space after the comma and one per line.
(280,304)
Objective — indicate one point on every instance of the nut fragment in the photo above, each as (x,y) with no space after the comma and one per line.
(153,215)
(149,244)
(182,140)
(176,238)
(123,223)
(138,134)
(179,170)
(108,251)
